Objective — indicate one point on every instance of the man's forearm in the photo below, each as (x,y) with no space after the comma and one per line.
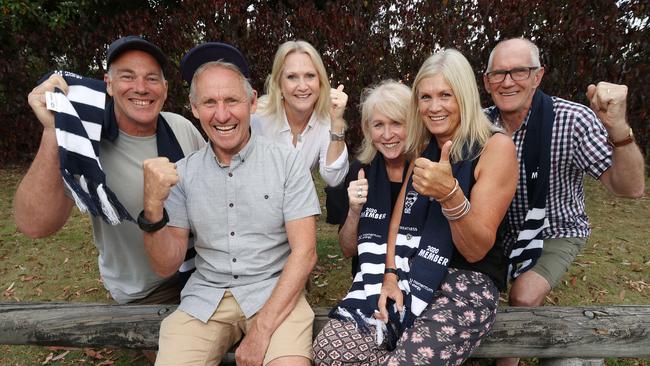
(288,289)
(40,204)
(626,176)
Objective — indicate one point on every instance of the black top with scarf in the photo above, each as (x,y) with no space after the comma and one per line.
(337,202)
(495,263)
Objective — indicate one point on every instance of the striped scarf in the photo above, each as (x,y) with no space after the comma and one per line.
(536,155)
(423,249)
(82,118)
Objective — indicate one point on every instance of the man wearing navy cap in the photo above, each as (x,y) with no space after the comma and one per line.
(132,125)
(251,205)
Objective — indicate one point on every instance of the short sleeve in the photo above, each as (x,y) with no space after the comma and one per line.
(300,199)
(176,203)
(592,153)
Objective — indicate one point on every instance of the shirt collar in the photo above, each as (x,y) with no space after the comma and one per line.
(238,158)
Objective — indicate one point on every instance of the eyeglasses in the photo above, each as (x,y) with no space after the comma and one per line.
(516,74)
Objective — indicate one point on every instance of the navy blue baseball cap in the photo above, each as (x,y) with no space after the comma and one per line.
(130,43)
(212,51)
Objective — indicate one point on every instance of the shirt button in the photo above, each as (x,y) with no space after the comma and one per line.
(232,233)
(230,205)
(234,260)
(236,276)
(230,174)
(266,196)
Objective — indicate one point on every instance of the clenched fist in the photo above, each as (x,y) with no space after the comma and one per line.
(608,101)
(159,177)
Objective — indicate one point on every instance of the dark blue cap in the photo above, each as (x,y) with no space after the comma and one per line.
(130,43)
(212,51)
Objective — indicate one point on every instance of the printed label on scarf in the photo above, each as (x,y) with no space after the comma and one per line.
(372,213)
(408,228)
(431,254)
(50,102)
(367,236)
(419,286)
(410,199)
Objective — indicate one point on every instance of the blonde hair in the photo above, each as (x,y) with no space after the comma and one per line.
(271,103)
(474,129)
(390,98)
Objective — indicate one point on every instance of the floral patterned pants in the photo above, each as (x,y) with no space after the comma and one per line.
(450,328)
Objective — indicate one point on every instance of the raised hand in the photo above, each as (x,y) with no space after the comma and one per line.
(609,101)
(434,179)
(36,99)
(338,101)
(159,177)
(358,192)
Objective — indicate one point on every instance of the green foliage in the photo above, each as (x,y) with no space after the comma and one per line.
(362,42)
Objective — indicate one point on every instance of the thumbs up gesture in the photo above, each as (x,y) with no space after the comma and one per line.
(358,192)
(338,101)
(433,179)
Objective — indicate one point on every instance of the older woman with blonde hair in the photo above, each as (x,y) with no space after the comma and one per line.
(301,109)
(431,287)
(380,167)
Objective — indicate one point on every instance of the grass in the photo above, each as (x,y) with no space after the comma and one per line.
(614,268)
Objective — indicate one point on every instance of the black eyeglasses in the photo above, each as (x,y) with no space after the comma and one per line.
(516,74)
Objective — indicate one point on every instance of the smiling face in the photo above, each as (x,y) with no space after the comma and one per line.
(299,83)
(438,107)
(388,136)
(513,98)
(139,90)
(223,108)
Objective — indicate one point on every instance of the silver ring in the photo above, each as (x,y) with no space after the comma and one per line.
(359,193)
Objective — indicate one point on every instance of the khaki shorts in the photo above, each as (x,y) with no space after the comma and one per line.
(187,340)
(556,258)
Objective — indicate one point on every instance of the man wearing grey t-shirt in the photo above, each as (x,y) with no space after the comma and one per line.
(136,82)
(251,205)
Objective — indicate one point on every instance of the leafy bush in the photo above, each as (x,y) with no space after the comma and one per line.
(362,42)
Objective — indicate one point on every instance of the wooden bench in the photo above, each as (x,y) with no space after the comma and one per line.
(560,333)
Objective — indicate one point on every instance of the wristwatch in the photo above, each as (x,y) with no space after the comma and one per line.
(337,136)
(150,227)
(626,141)
(391,270)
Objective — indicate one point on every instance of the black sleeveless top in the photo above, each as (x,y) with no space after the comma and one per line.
(494,264)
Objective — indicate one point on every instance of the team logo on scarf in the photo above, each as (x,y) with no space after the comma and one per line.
(410,199)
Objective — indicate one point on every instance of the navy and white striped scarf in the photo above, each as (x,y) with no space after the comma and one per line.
(536,155)
(82,118)
(423,248)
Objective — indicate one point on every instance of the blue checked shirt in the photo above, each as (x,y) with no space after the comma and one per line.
(578,146)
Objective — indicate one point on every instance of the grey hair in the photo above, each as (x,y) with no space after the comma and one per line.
(534,52)
(226,65)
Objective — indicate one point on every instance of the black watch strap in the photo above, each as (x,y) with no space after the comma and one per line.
(391,270)
(150,227)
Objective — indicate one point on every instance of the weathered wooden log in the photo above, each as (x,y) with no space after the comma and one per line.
(558,332)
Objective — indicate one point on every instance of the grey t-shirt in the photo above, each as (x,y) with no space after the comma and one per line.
(237,214)
(123,262)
